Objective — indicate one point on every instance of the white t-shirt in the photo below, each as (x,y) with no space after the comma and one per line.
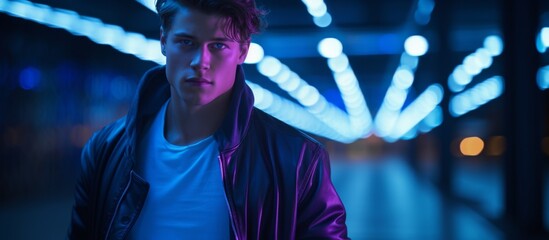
(186,199)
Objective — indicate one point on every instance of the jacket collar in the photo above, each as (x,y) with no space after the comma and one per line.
(153,90)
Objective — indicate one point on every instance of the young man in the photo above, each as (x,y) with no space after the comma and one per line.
(193,159)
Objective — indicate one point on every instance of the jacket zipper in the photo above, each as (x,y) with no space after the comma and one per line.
(118,205)
(222,166)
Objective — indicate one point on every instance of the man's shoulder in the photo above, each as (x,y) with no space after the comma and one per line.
(278,129)
(110,133)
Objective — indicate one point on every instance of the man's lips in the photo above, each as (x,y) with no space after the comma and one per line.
(198,81)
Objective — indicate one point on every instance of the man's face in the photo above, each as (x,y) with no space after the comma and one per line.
(201,60)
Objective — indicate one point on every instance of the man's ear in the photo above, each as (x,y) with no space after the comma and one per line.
(163,41)
(244,47)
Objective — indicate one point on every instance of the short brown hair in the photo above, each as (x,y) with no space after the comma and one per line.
(243,17)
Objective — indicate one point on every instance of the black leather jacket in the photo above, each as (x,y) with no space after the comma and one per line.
(276,179)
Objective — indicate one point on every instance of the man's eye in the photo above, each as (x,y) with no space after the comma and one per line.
(219,46)
(185,42)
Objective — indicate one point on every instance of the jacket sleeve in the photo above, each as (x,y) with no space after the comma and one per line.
(81,220)
(321,214)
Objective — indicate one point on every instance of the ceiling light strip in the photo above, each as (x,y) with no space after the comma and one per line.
(474,63)
(127,42)
(476,96)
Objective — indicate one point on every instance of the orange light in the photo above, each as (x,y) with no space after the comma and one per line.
(471,146)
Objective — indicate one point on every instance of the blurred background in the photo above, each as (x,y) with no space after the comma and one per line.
(434,112)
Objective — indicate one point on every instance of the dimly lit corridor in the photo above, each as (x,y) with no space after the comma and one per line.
(435,113)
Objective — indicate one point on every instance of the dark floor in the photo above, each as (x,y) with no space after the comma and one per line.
(384,200)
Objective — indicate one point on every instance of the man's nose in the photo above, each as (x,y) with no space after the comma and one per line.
(201,59)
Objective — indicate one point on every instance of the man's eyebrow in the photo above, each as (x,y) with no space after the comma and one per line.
(182,34)
(218,39)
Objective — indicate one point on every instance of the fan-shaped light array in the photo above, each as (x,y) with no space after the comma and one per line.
(315,114)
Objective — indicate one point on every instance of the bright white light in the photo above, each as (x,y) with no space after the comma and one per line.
(323,21)
(339,63)
(461,76)
(112,36)
(269,66)
(87,27)
(148,4)
(543,78)
(484,57)
(283,75)
(494,45)
(318,9)
(542,41)
(308,96)
(355,104)
(416,45)
(545,36)
(472,65)
(292,84)
(395,97)
(255,54)
(330,47)
(417,111)
(61,18)
(40,15)
(133,43)
(403,78)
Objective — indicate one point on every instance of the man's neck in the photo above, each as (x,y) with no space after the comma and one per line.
(186,123)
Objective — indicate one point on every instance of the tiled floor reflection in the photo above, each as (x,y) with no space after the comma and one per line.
(385,200)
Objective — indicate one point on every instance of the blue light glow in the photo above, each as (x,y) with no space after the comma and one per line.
(424,104)
(476,96)
(408,61)
(432,120)
(30,78)
(424,10)
(319,11)
(323,21)
(395,96)
(543,78)
(316,104)
(293,114)
(474,63)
